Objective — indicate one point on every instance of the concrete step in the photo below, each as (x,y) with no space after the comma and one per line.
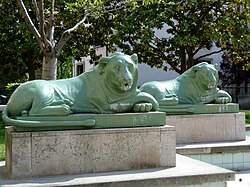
(233,155)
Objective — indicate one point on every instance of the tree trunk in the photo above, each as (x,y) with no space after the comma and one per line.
(31,69)
(49,66)
(190,60)
(183,59)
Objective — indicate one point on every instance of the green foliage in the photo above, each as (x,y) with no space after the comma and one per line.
(18,53)
(236,39)
(64,68)
(247,117)
(191,27)
(12,86)
(98,34)
(62,19)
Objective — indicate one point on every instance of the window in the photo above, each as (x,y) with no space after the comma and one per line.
(79,69)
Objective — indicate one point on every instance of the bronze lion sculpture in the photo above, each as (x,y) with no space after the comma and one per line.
(110,87)
(197,85)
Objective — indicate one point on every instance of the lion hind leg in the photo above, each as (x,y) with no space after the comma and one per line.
(169,100)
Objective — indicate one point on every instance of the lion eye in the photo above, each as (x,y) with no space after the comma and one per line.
(118,68)
(130,66)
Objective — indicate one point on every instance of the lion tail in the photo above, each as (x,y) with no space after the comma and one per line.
(49,124)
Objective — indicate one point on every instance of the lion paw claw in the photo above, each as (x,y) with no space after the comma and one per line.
(142,107)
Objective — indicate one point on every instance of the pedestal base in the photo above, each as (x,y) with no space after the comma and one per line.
(87,151)
(208,127)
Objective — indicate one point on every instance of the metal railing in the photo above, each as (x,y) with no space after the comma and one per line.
(240,94)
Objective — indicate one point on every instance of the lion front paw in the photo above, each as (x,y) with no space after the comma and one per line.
(142,107)
(222,100)
(120,107)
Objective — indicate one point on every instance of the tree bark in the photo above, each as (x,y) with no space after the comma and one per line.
(49,66)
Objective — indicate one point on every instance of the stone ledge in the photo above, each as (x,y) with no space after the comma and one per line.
(214,147)
(187,172)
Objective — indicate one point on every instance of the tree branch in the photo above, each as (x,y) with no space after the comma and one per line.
(208,54)
(66,35)
(36,7)
(161,53)
(29,22)
(41,18)
(199,48)
(51,22)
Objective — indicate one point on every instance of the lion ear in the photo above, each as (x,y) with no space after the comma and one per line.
(134,57)
(216,66)
(103,61)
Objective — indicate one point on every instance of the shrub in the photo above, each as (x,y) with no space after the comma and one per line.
(247,117)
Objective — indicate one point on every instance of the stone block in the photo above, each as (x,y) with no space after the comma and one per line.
(18,153)
(208,127)
(89,151)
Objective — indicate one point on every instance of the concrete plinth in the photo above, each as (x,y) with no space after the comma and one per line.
(30,154)
(208,127)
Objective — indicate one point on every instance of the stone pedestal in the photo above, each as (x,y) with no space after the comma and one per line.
(208,127)
(31,154)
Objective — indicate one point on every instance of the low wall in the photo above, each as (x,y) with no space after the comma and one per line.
(208,127)
(31,154)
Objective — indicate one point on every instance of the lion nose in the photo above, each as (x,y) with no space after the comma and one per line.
(127,79)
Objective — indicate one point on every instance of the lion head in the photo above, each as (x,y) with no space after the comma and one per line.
(205,75)
(120,72)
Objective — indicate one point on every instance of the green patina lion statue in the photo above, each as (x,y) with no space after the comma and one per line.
(197,85)
(110,87)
